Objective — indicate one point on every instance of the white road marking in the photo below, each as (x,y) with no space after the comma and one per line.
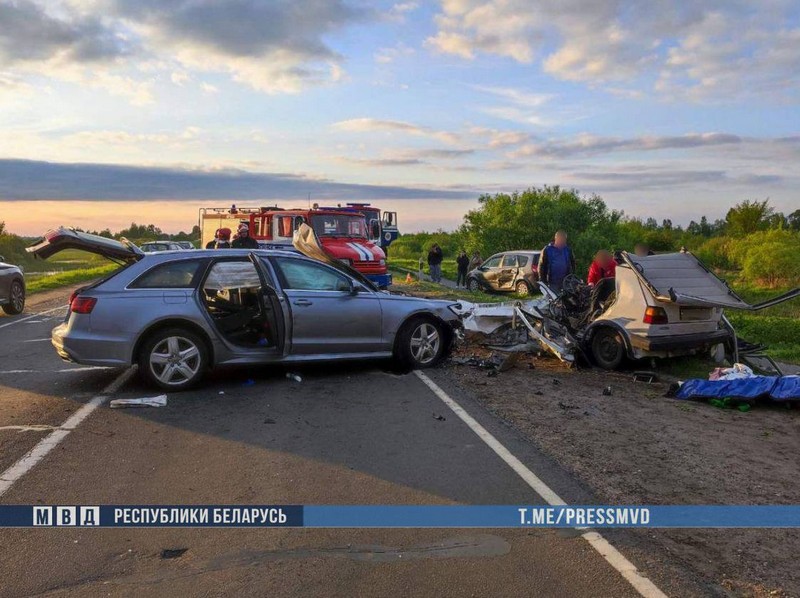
(36,340)
(25,319)
(29,428)
(61,371)
(49,442)
(614,557)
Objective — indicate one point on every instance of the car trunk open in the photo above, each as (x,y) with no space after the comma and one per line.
(60,239)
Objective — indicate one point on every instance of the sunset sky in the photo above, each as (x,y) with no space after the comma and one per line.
(146,110)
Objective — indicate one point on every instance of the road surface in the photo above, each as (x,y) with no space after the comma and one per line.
(350,434)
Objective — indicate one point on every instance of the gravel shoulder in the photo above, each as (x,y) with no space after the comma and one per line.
(635,446)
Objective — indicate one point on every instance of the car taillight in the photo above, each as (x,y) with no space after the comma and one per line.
(72,297)
(655,315)
(82,305)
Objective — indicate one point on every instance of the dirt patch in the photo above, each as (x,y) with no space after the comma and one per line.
(52,298)
(632,445)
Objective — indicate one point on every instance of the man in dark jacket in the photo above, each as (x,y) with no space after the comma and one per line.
(557,262)
(435,257)
(463,267)
(243,240)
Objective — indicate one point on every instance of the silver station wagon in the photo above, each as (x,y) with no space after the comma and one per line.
(179,314)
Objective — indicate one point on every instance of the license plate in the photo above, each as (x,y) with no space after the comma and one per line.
(694,314)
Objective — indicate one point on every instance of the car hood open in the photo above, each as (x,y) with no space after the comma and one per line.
(57,240)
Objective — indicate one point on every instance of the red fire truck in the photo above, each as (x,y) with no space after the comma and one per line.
(342,234)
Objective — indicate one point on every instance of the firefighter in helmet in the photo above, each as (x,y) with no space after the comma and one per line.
(243,239)
(222,239)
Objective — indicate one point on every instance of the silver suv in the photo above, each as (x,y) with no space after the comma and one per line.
(511,271)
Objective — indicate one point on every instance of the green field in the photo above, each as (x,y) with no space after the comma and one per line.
(66,268)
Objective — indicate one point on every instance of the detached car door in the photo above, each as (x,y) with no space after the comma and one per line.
(326,317)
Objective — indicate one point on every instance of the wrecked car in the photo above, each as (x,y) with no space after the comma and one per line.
(179,314)
(509,271)
(657,306)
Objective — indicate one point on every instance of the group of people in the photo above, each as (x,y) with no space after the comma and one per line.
(556,262)
(243,240)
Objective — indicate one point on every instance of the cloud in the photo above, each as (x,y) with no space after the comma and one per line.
(382,162)
(28,34)
(635,178)
(698,50)
(365,125)
(585,145)
(35,180)
(387,55)
(271,46)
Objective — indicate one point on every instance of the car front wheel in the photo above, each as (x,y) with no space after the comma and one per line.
(16,299)
(608,348)
(174,359)
(421,343)
(472,285)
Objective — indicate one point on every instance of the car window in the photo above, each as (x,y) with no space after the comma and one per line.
(233,274)
(172,275)
(522,261)
(510,261)
(492,262)
(308,276)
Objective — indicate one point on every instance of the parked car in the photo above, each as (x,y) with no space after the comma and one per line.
(185,244)
(155,246)
(511,271)
(180,314)
(12,288)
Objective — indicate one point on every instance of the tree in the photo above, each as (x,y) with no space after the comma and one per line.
(792,220)
(748,217)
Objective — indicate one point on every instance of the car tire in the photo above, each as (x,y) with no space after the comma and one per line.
(421,343)
(608,348)
(16,299)
(182,350)
(473,285)
(522,289)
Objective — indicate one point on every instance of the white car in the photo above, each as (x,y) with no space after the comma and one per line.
(156,246)
(664,305)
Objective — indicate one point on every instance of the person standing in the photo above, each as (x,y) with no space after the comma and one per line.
(476,261)
(222,239)
(557,262)
(463,267)
(243,239)
(435,257)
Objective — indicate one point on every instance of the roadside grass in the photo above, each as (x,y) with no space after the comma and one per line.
(431,290)
(48,281)
(449,267)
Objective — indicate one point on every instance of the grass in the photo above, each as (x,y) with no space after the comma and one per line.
(449,267)
(46,282)
(432,290)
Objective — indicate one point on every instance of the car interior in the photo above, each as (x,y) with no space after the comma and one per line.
(231,293)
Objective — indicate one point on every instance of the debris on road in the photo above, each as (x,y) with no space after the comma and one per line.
(607,391)
(438,417)
(647,377)
(173,553)
(293,376)
(736,372)
(159,401)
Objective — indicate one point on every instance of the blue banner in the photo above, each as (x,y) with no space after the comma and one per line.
(401,516)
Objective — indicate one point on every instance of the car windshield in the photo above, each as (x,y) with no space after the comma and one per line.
(338,225)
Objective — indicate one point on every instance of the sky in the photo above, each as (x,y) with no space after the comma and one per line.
(147,110)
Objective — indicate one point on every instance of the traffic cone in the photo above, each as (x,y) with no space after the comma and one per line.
(409,280)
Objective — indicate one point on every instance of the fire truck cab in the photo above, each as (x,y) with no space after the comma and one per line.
(382,228)
(343,234)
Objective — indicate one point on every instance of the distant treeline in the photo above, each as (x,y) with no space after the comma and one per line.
(760,244)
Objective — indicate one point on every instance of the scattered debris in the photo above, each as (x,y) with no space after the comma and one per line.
(736,372)
(269,420)
(648,377)
(222,392)
(607,391)
(159,401)
(173,553)
(293,376)
(565,406)
(439,418)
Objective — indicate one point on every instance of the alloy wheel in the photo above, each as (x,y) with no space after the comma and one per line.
(425,343)
(17,297)
(175,360)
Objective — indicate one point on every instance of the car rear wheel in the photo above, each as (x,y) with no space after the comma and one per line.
(608,348)
(472,285)
(421,343)
(522,289)
(173,359)
(16,299)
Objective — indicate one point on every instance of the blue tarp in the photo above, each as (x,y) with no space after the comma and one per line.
(785,388)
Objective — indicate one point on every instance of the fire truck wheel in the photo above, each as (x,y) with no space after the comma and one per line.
(173,358)
(421,343)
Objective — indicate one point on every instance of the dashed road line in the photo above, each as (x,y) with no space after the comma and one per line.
(49,442)
(614,557)
(30,317)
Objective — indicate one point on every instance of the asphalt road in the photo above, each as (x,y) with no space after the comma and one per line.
(349,434)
